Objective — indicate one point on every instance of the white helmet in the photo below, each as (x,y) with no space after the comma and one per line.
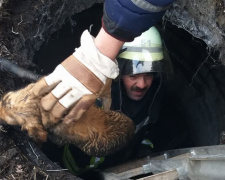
(143,55)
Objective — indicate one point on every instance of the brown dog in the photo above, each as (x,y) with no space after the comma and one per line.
(96,132)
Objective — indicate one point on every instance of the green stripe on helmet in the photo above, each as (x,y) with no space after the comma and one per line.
(142,56)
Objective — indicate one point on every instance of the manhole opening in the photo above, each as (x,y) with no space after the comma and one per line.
(192,110)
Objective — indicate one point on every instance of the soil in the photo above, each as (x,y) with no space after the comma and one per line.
(203,19)
(20,158)
(25,25)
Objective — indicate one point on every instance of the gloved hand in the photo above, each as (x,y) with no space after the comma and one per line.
(85,72)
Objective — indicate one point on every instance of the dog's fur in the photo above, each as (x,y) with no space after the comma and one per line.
(97,132)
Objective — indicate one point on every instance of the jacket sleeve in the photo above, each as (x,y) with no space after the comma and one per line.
(127,19)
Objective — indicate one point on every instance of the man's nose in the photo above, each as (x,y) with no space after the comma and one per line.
(141,83)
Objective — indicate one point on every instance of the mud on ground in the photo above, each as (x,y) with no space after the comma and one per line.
(13,164)
(21,158)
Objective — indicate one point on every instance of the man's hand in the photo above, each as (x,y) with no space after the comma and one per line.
(85,72)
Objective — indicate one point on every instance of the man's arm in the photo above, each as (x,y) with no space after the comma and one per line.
(126,20)
(107,44)
(119,22)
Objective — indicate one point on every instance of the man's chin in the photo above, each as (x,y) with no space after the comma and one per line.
(137,98)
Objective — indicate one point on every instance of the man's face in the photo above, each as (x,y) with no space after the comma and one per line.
(137,85)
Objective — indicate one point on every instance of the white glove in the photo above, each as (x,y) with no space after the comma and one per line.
(84,72)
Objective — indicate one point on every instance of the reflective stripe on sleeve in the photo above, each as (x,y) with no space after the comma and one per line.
(149,7)
(148,143)
(70,162)
(95,161)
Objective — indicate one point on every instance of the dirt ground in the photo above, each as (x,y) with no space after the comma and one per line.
(20,158)
(14,165)
(25,25)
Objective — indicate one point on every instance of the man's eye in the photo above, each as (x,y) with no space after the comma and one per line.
(149,75)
